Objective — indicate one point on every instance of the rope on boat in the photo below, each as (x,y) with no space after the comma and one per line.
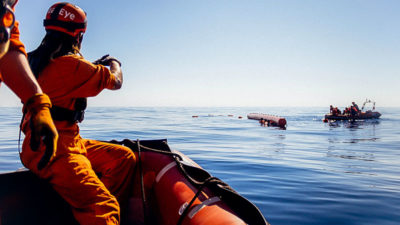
(178,159)
(186,210)
(142,183)
(203,180)
(161,151)
(19,137)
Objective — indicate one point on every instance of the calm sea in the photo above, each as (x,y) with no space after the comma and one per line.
(310,173)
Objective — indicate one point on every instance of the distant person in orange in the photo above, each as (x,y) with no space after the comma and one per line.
(356,107)
(334,110)
(346,111)
(69,79)
(16,74)
(338,111)
(353,111)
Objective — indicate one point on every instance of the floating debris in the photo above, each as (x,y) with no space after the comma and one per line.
(269,120)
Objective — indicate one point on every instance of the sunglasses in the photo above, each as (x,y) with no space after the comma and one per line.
(7,21)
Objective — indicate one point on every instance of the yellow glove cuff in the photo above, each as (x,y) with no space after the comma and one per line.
(36,102)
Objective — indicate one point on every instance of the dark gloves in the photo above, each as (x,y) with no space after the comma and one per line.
(42,127)
(106,60)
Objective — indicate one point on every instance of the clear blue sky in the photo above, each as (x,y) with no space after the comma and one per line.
(238,53)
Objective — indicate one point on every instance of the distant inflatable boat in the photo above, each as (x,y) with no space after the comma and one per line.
(369,114)
(270,119)
(170,189)
(361,116)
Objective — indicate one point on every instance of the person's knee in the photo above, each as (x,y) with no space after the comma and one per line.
(132,157)
(129,155)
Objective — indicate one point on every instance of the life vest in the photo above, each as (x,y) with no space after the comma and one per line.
(73,116)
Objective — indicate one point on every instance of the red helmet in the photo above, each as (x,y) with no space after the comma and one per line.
(67,18)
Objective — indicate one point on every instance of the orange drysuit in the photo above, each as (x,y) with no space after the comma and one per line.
(73,171)
(15,43)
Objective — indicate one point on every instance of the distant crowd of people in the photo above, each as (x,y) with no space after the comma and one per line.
(351,110)
(264,122)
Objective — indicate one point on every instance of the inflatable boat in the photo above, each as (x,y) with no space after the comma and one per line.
(170,189)
(361,116)
(270,120)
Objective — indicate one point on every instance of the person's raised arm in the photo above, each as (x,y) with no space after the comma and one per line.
(17,75)
(115,68)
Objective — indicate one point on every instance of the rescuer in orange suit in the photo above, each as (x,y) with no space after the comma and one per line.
(69,79)
(356,107)
(338,111)
(16,74)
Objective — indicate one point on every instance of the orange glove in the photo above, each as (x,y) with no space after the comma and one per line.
(42,127)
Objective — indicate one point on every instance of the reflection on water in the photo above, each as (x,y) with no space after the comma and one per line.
(352,144)
(351,155)
(358,124)
(356,140)
(355,129)
(352,140)
(279,143)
